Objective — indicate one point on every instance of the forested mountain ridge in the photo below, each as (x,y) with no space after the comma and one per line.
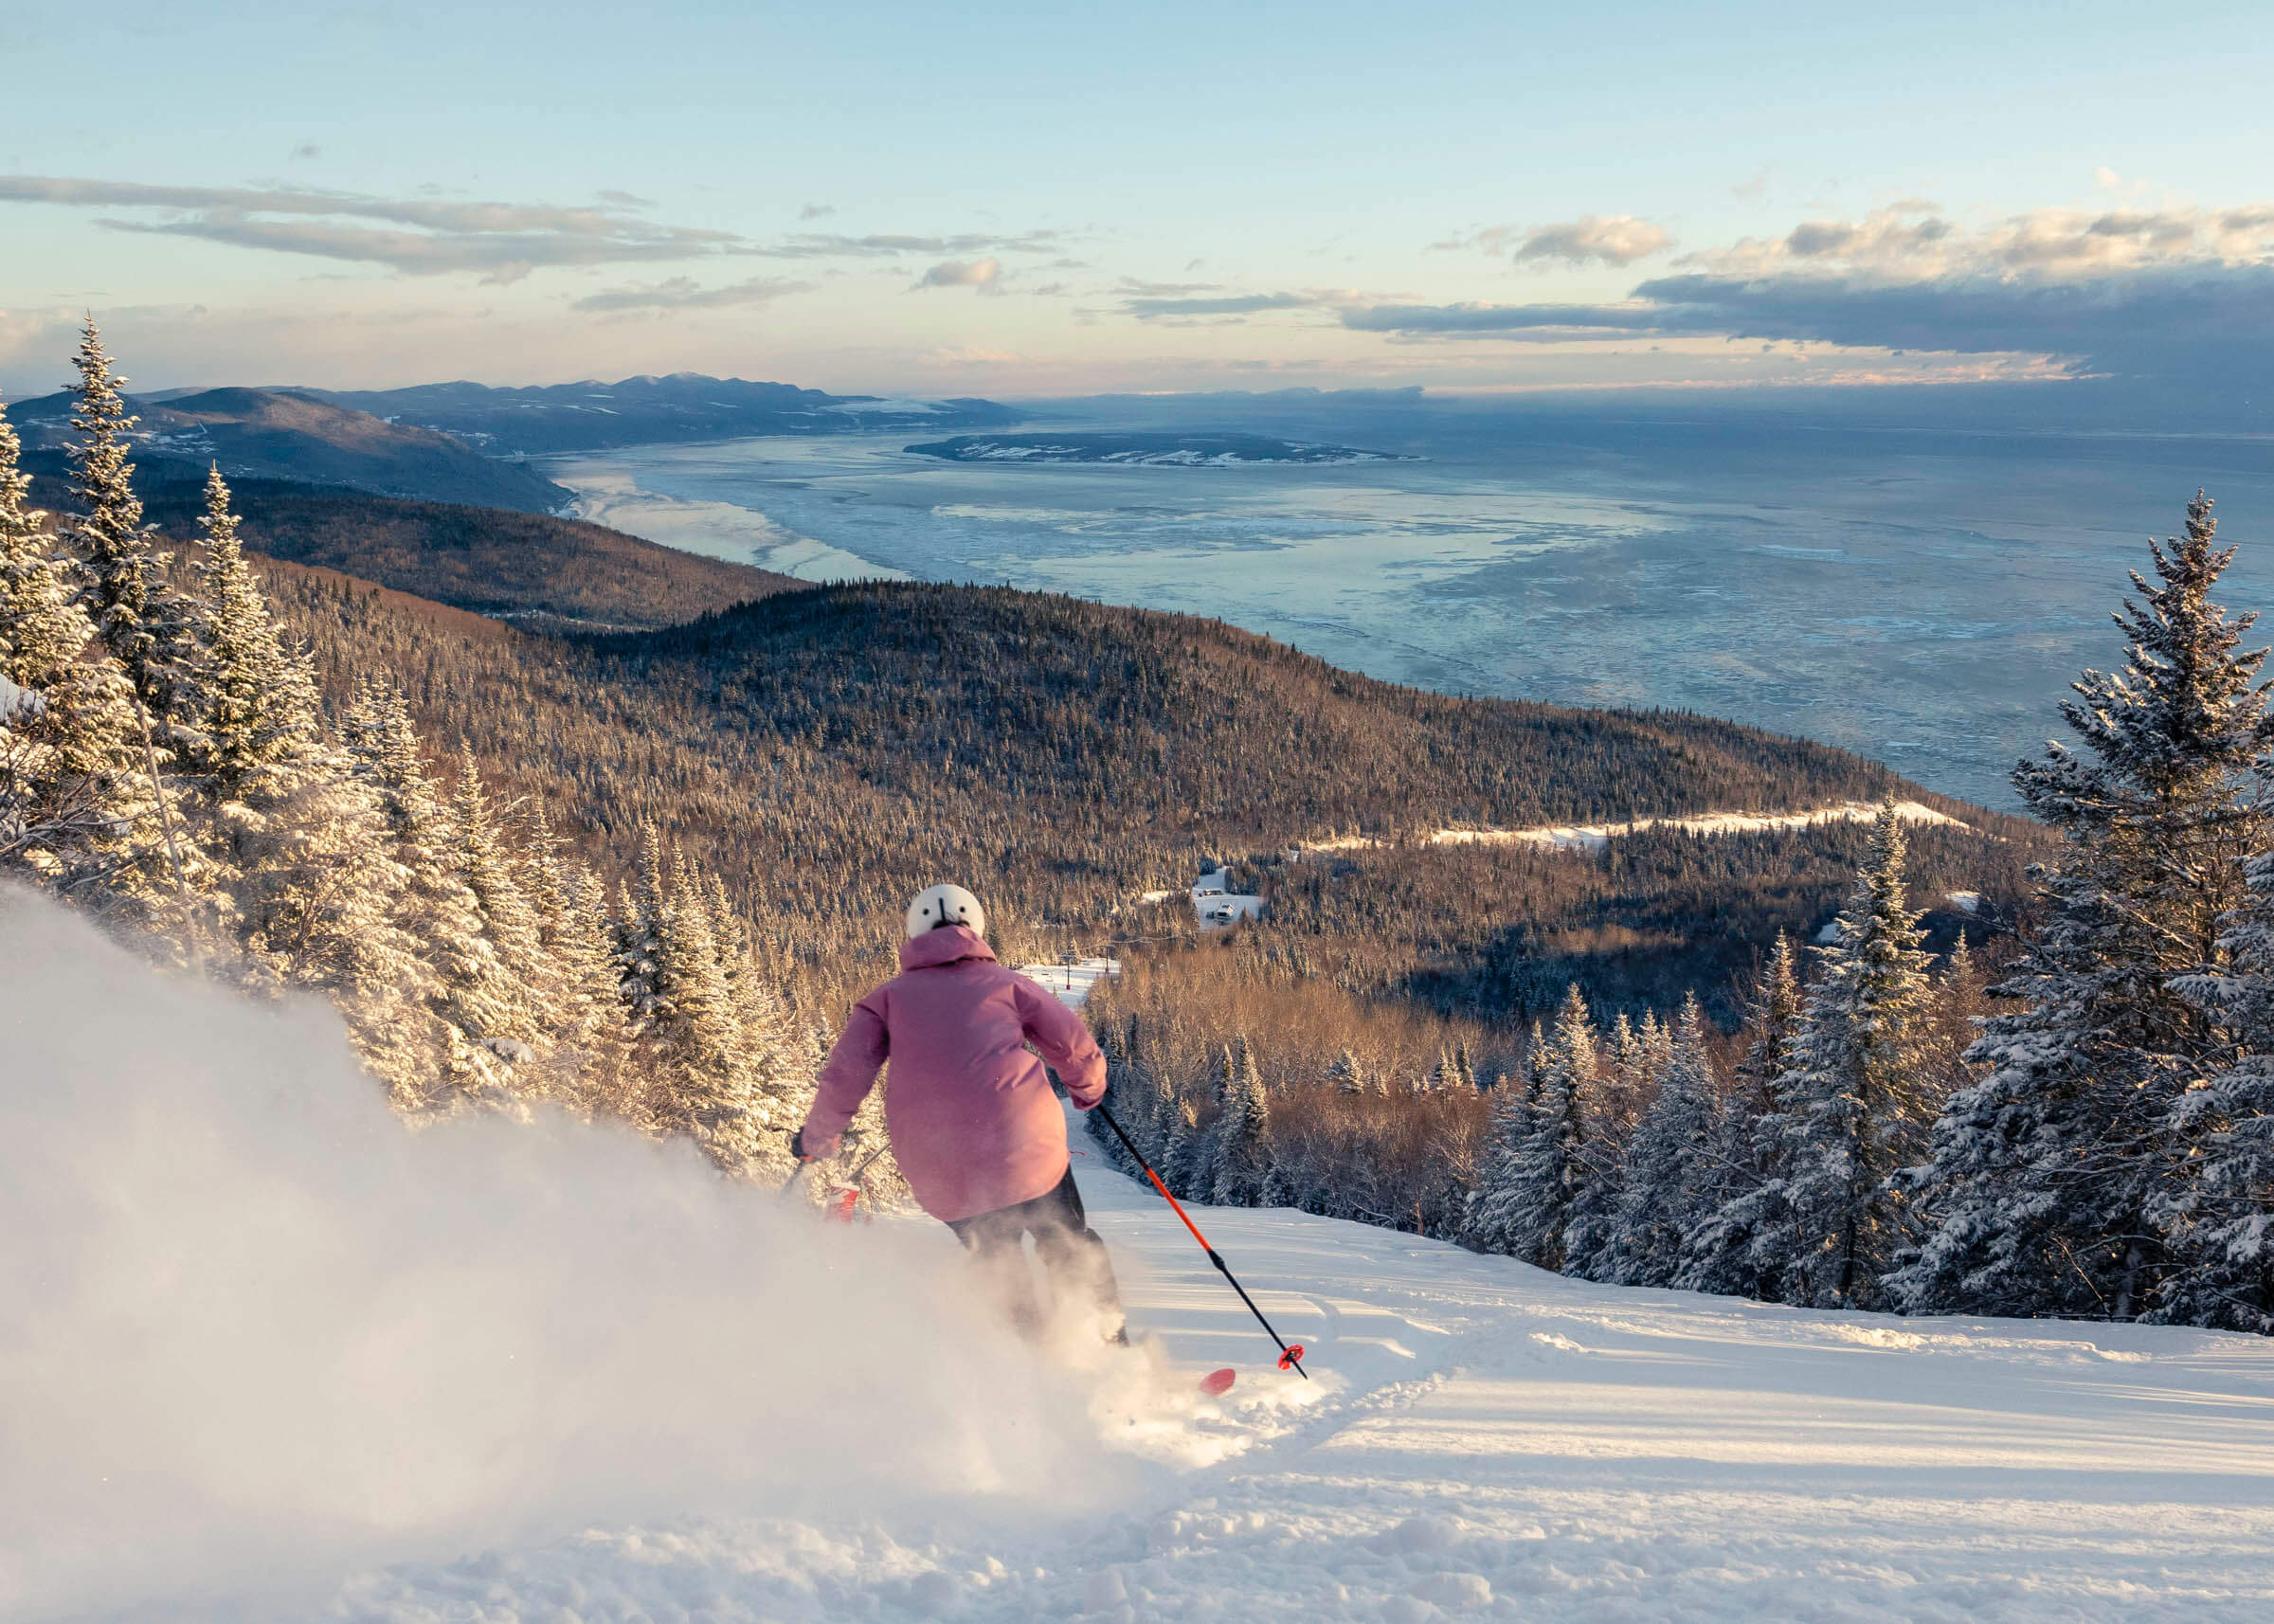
(294,435)
(645,410)
(533,569)
(829,750)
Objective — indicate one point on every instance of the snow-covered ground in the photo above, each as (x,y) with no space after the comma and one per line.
(1216,907)
(1484,1440)
(272,1357)
(1592,837)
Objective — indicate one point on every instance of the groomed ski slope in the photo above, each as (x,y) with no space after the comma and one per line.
(1485,1440)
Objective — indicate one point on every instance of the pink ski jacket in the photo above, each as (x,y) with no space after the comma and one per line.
(973,1122)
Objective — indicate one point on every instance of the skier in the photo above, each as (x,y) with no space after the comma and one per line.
(975,1127)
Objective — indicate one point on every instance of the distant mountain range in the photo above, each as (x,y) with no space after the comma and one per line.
(295,435)
(592,416)
(466,444)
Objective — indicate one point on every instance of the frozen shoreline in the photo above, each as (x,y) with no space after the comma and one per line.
(607,494)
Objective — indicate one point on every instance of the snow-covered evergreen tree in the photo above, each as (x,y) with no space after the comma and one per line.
(2216,1219)
(1180,1142)
(1347,1074)
(641,917)
(1861,1096)
(1754,1146)
(703,1082)
(2045,1179)
(781,1086)
(296,833)
(1242,1152)
(1673,1178)
(1547,1189)
(485,866)
(472,993)
(75,798)
(133,612)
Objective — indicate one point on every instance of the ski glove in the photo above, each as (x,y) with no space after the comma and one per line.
(797,1145)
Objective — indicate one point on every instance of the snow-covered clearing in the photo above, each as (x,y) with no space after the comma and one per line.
(1592,837)
(1486,1440)
(272,1358)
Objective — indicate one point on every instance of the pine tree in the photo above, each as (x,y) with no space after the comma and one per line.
(1492,1208)
(1180,1143)
(472,993)
(73,792)
(2216,1221)
(1347,1074)
(2045,1179)
(1544,1210)
(704,1086)
(484,864)
(642,919)
(1671,1180)
(1242,1152)
(1754,1145)
(593,1057)
(1861,1094)
(782,1086)
(127,598)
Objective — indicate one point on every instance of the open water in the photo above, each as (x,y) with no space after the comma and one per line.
(1920,596)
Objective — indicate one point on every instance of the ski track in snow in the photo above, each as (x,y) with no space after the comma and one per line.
(1484,1440)
(1593,836)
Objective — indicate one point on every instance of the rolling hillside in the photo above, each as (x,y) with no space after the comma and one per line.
(531,568)
(830,749)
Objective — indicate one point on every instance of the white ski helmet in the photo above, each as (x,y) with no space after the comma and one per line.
(945,905)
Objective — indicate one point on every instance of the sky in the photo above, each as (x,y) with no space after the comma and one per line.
(1026,200)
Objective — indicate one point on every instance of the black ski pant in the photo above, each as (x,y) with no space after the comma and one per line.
(1081,1273)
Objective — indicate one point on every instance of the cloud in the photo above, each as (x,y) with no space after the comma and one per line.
(1167,289)
(428,236)
(307,149)
(2176,293)
(980,274)
(1537,323)
(1614,239)
(1914,238)
(683,293)
(1229,304)
(816,211)
(828,246)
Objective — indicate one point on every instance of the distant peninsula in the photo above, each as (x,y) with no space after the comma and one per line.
(1146,450)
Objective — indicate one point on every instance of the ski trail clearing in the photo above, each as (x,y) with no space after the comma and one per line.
(1485,1440)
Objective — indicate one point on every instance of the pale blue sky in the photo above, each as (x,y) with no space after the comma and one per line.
(1285,177)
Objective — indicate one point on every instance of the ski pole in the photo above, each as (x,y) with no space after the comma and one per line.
(1291,1355)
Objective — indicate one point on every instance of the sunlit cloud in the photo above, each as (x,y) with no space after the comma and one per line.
(829,246)
(1914,237)
(1614,240)
(980,274)
(683,293)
